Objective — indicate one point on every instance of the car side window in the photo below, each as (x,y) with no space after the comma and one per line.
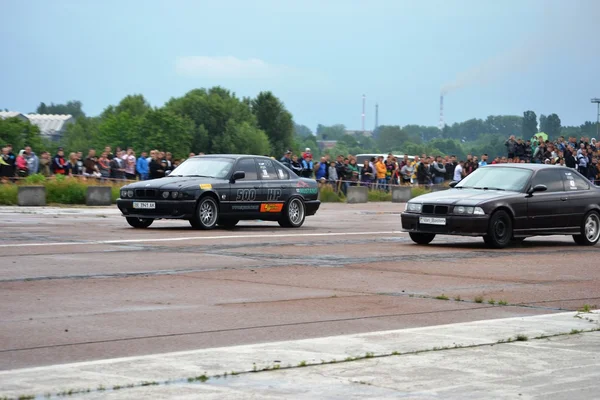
(249,167)
(551,178)
(282,172)
(574,181)
(267,170)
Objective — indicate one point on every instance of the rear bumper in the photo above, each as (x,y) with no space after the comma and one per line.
(464,225)
(164,209)
(312,207)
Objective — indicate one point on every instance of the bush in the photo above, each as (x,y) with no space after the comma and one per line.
(328,195)
(8,194)
(418,191)
(380,195)
(65,191)
(35,179)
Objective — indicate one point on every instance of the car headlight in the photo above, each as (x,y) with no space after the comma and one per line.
(165,195)
(463,210)
(174,194)
(130,193)
(414,207)
(123,194)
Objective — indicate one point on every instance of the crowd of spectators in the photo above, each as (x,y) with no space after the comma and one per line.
(120,165)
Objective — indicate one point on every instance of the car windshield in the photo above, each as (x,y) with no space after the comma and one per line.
(209,167)
(497,178)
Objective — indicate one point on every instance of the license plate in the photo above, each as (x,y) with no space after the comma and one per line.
(432,221)
(144,205)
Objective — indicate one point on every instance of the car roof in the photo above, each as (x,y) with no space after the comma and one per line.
(532,167)
(234,156)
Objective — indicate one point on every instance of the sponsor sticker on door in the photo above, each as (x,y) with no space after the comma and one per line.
(271,207)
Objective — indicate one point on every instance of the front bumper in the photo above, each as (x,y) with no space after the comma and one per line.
(164,209)
(464,225)
(312,207)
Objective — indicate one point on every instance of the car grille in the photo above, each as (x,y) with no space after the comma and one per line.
(145,193)
(433,209)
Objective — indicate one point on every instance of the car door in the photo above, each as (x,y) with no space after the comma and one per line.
(579,196)
(245,193)
(546,211)
(272,196)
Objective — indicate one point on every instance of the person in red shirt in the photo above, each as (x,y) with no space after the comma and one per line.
(59,164)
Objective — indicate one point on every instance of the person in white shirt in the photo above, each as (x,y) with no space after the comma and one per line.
(458,171)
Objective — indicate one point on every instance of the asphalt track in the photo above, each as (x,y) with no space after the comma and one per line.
(78,284)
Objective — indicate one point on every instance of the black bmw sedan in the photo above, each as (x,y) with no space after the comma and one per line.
(508,202)
(221,190)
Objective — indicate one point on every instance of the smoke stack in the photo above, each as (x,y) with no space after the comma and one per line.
(376,115)
(442,123)
(363,113)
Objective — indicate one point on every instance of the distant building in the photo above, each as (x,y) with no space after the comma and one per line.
(12,114)
(359,133)
(326,144)
(52,126)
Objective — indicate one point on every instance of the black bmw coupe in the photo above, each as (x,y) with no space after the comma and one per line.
(508,202)
(221,190)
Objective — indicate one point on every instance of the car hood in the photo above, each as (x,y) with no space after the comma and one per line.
(175,183)
(462,196)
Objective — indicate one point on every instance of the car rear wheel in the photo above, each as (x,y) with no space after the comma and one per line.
(500,231)
(590,230)
(228,223)
(293,214)
(139,222)
(422,238)
(207,214)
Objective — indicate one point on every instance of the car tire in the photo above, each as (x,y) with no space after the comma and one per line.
(139,223)
(207,214)
(294,214)
(227,223)
(590,230)
(421,238)
(500,231)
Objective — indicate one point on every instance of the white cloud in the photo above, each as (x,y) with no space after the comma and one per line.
(229,67)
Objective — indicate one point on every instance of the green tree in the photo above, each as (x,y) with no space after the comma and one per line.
(551,126)
(275,120)
(135,105)
(392,139)
(164,130)
(529,126)
(20,134)
(73,108)
(417,133)
(242,138)
(81,135)
(302,131)
(334,132)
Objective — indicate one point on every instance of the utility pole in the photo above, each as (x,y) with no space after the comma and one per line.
(597,101)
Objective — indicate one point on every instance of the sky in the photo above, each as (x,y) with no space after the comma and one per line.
(489,57)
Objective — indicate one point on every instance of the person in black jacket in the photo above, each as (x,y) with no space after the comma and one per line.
(423,172)
(156,168)
(569,159)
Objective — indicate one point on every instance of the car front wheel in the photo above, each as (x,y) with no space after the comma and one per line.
(421,238)
(139,222)
(499,232)
(590,230)
(293,214)
(207,214)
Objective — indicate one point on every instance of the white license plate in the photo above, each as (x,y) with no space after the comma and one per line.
(432,221)
(144,205)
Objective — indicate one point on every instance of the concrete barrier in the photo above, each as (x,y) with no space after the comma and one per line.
(439,188)
(98,196)
(357,194)
(401,194)
(31,196)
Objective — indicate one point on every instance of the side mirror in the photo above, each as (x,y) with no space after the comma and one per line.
(453,183)
(238,175)
(537,188)
(167,173)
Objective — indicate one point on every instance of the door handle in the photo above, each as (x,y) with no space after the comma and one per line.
(564,198)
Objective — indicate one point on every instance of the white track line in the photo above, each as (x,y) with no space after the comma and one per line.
(124,241)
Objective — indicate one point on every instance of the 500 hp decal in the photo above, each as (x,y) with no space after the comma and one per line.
(273,194)
(246,195)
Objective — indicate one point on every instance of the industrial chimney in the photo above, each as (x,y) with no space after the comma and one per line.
(442,123)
